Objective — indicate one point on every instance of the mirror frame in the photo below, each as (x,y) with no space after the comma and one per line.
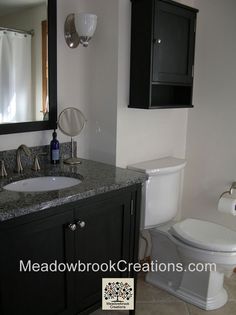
(52,82)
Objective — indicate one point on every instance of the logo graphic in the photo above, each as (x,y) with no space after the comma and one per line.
(117,294)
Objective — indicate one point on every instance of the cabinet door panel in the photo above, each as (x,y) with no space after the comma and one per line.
(173,45)
(106,236)
(36,293)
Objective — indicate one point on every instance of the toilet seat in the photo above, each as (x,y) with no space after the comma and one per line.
(204,235)
(194,252)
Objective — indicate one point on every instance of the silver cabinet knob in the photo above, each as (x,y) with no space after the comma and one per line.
(72,227)
(156,41)
(81,224)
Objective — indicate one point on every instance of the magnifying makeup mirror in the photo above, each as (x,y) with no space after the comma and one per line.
(71,122)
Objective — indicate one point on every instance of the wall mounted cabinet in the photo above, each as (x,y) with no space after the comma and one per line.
(162,54)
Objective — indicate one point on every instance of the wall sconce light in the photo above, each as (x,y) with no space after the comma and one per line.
(79,29)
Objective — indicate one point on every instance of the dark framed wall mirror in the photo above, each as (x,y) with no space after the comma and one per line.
(28,65)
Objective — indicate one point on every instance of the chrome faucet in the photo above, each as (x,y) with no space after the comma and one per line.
(26,150)
(3,169)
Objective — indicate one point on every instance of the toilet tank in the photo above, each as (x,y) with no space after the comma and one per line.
(161,192)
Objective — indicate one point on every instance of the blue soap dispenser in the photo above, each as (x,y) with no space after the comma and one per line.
(55,149)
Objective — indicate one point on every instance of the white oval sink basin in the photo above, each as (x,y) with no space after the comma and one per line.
(45,183)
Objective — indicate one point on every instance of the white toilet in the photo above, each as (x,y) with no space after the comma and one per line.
(186,242)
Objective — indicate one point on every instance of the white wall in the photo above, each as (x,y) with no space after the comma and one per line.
(87,77)
(73,73)
(103,82)
(12,141)
(211,143)
(143,134)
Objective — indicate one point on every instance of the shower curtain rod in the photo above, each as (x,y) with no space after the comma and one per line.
(31,32)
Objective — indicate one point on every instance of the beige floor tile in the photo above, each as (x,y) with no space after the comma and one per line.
(101,312)
(147,293)
(230,286)
(170,308)
(154,301)
(228,309)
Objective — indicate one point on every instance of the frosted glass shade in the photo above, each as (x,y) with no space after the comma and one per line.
(79,29)
(85,24)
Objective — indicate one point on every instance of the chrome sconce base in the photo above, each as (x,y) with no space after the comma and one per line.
(71,36)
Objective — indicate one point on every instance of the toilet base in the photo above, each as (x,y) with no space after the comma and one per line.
(215,296)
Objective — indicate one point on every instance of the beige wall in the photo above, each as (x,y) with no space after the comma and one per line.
(211,144)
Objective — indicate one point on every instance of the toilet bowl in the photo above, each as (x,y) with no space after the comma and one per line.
(204,261)
(183,244)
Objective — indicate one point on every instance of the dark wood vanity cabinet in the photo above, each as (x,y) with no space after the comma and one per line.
(105,236)
(162,54)
(44,240)
(95,230)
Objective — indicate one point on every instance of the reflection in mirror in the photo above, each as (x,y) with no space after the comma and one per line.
(23,61)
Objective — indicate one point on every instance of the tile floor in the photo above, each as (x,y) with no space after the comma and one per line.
(154,301)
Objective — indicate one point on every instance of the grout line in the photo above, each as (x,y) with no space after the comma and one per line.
(159,302)
(187,309)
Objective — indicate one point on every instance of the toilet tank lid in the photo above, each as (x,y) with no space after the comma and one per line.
(159,166)
(205,235)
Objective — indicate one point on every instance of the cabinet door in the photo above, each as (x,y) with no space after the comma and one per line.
(36,293)
(105,236)
(173,43)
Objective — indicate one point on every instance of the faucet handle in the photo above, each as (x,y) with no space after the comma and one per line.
(3,169)
(36,166)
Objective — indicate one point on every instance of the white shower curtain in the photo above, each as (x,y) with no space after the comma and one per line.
(15,77)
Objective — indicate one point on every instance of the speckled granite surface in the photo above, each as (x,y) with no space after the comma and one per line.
(97,178)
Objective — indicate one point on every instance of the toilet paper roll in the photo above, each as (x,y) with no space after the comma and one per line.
(227,204)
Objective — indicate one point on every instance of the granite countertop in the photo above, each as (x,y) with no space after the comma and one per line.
(97,178)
